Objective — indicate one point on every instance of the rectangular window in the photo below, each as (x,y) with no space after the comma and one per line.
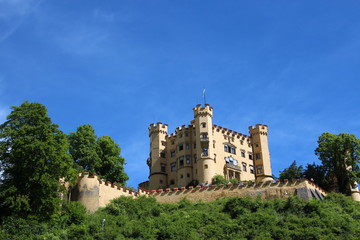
(187,146)
(162,154)
(195,158)
(173,167)
(181,147)
(259,169)
(242,153)
(205,151)
(172,182)
(186,134)
(187,159)
(250,156)
(194,145)
(244,166)
(257,156)
(163,167)
(251,169)
(226,148)
(233,151)
(181,161)
(203,125)
(172,154)
(204,135)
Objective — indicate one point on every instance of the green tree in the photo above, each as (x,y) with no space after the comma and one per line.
(318,174)
(340,156)
(219,179)
(97,155)
(112,164)
(84,148)
(33,157)
(292,172)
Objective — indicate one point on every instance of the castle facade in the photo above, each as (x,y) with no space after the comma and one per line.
(198,152)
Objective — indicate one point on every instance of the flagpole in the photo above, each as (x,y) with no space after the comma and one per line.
(204,96)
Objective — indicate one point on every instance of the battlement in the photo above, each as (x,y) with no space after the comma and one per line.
(203,111)
(231,133)
(93,192)
(158,128)
(258,129)
(267,190)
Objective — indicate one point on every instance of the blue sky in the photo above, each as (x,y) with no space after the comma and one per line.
(121,65)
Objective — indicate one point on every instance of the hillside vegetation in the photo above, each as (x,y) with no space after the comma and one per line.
(337,217)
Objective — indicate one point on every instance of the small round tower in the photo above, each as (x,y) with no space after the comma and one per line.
(157,164)
(261,155)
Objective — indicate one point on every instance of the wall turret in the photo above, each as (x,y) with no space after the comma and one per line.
(205,166)
(261,155)
(156,160)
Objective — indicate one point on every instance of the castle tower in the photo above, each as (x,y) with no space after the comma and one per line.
(261,155)
(156,160)
(205,165)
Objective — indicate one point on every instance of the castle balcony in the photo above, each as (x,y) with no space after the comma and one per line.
(232,166)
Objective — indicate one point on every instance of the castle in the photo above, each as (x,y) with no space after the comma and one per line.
(194,154)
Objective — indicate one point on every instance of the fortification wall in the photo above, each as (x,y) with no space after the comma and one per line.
(304,188)
(94,193)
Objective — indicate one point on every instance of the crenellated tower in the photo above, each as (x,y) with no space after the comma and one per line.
(205,165)
(261,154)
(156,162)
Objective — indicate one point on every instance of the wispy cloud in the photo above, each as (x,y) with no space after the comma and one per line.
(13,13)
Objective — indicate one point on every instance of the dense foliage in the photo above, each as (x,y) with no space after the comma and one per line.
(339,168)
(292,172)
(340,157)
(99,155)
(337,217)
(33,158)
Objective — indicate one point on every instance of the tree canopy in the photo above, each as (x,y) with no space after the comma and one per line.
(99,155)
(340,157)
(292,172)
(33,157)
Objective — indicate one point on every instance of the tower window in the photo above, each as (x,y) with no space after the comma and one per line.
(250,156)
(206,166)
(163,143)
(172,154)
(256,145)
(205,151)
(162,154)
(163,167)
(251,169)
(244,166)
(243,153)
(204,135)
(203,124)
(181,161)
(186,134)
(257,156)
(173,167)
(195,158)
(187,159)
(181,147)
(187,146)
(259,169)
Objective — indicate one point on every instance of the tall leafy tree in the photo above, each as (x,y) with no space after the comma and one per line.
(97,155)
(33,157)
(340,156)
(84,148)
(318,174)
(112,164)
(292,172)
